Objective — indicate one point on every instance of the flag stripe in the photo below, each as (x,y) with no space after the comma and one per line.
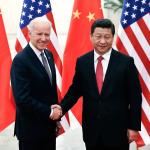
(141,39)
(145,122)
(49,16)
(21,38)
(56,57)
(17,45)
(132,52)
(120,46)
(58,78)
(144,135)
(136,45)
(146,20)
(64,123)
(55,43)
(140,141)
(144,29)
(146,108)
(145,90)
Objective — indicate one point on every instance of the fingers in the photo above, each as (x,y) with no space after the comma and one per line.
(58,124)
(59,129)
(56,106)
(57,112)
(132,135)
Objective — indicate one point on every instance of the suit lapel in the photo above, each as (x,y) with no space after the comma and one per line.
(91,72)
(110,71)
(35,61)
(52,66)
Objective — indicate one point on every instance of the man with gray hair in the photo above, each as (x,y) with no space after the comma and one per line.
(33,80)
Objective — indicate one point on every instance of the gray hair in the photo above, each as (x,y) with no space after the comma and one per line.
(38,20)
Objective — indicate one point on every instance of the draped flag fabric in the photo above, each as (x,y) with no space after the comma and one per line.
(7,107)
(134,40)
(78,42)
(30,10)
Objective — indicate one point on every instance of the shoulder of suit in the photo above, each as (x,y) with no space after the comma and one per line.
(21,55)
(121,55)
(86,55)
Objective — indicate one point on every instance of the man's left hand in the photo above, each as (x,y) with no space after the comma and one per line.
(132,135)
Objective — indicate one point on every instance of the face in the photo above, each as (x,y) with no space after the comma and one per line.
(40,35)
(102,40)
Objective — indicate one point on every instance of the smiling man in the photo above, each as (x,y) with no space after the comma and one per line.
(108,81)
(33,80)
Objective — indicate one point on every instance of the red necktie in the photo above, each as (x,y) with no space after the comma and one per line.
(99,73)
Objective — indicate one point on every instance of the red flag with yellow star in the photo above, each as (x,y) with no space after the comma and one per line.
(7,106)
(78,42)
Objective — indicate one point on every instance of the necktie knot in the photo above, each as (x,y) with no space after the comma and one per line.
(42,54)
(100,58)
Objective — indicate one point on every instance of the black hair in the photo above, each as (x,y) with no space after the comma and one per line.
(103,23)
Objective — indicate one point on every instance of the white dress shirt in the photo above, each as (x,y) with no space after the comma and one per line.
(105,61)
(38,54)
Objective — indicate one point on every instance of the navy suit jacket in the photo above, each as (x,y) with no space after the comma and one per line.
(34,95)
(108,115)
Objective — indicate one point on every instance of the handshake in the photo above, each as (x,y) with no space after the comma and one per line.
(56,112)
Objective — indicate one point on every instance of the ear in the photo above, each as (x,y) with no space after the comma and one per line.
(91,37)
(29,34)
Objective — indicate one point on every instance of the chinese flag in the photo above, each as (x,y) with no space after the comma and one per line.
(7,107)
(78,42)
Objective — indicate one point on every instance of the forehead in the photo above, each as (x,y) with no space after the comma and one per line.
(41,26)
(99,30)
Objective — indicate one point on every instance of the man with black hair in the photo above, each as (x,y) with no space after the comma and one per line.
(108,81)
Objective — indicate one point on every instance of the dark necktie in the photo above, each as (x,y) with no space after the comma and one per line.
(99,73)
(47,68)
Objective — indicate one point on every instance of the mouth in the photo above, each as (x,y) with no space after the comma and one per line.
(43,44)
(102,47)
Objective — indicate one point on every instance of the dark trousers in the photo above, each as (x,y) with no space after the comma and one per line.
(100,146)
(37,145)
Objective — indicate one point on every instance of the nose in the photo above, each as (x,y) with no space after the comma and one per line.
(102,40)
(43,37)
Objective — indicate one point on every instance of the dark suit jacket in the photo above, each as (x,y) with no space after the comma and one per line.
(33,95)
(107,115)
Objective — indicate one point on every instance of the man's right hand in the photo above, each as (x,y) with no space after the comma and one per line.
(57,112)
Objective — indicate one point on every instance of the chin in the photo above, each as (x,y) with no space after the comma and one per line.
(41,48)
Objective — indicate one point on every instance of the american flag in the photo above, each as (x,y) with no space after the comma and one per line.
(134,40)
(30,10)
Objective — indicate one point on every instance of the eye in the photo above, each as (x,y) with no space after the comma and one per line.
(107,37)
(40,34)
(97,37)
(47,35)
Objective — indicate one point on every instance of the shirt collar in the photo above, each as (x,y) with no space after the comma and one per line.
(37,52)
